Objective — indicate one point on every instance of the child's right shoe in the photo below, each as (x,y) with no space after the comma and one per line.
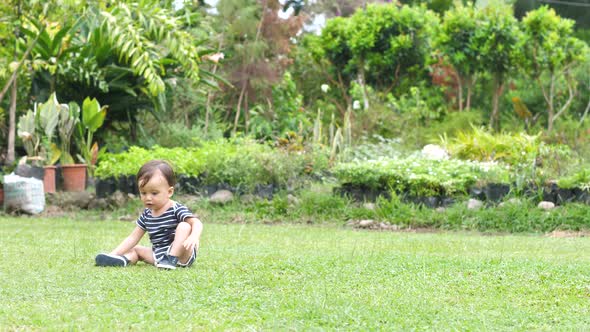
(167,262)
(111,260)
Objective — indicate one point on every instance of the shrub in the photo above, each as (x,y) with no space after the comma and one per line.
(416,176)
(239,163)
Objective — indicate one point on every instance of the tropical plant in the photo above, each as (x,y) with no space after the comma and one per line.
(36,129)
(69,116)
(93,116)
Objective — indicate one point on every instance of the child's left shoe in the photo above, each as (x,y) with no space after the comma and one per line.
(111,260)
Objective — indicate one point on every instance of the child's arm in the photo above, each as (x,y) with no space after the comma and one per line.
(129,242)
(192,241)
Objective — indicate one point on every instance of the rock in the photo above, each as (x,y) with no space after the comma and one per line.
(127,218)
(99,203)
(52,211)
(545,205)
(511,201)
(221,197)
(247,199)
(71,199)
(117,199)
(369,206)
(474,204)
(440,209)
(292,200)
(366,223)
(434,152)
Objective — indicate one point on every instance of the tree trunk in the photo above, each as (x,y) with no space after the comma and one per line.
(460,92)
(238,108)
(246,113)
(361,79)
(550,107)
(470,83)
(495,117)
(10,157)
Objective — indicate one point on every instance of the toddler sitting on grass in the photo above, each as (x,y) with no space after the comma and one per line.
(173,230)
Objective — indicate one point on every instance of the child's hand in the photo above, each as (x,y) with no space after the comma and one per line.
(190,243)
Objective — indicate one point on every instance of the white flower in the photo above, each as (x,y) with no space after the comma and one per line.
(325,88)
(25,135)
(214,57)
(356,105)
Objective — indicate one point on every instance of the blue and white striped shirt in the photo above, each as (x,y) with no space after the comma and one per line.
(162,228)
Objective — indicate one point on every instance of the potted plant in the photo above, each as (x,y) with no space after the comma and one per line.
(93,116)
(48,120)
(74,175)
(28,133)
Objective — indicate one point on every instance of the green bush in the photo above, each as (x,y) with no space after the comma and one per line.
(418,176)
(240,163)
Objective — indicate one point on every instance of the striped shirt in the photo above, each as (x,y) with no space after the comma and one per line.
(162,228)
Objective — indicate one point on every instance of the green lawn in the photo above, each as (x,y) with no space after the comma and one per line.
(293,277)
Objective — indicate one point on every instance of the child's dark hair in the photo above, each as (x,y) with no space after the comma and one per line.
(147,171)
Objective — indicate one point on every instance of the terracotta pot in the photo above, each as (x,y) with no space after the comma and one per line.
(74,177)
(49,179)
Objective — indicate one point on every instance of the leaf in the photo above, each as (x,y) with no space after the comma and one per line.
(92,114)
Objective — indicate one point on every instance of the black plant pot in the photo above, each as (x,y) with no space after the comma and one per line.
(496,191)
(126,184)
(477,192)
(447,201)
(564,195)
(264,191)
(431,201)
(30,171)
(105,187)
(582,195)
(188,184)
(210,189)
(550,193)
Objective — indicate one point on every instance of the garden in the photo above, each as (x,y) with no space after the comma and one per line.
(411,165)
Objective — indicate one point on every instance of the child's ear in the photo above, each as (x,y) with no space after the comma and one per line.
(170,191)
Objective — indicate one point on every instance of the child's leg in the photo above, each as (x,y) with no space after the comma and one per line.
(139,253)
(183,230)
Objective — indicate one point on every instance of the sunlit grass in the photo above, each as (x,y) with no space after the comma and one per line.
(293,277)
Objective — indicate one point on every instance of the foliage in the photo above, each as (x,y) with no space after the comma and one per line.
(286,114)
(36,129)
(93,116)
(69,117)
(498,43)
(455,41)
(552,53)
(580,179)
(185,161)
(483,145)
(414,175)
(387,39)
(241,164)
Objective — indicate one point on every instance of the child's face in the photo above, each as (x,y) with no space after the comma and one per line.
(156,193)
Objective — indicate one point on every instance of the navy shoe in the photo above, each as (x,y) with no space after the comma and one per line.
(111,260)
(167,262)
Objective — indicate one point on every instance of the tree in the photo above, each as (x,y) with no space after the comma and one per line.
(258,43)
(455,42)
(498,43)
(332,57)
(122,55)
(390,44)
(551,55)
